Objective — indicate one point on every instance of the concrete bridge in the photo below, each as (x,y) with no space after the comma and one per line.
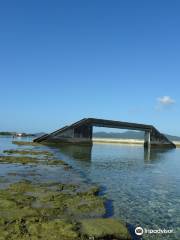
(81,133)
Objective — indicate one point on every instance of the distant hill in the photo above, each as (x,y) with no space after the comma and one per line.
(129,135)
(16,133)
(7,133)
(172,138)
(23,134)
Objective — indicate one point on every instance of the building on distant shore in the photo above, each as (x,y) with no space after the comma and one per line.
(19,134)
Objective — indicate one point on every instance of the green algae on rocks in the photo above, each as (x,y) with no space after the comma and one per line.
(34,229)
(20,160)
(21,143)
(57,162)
(54,211)
(28,209)
(106,228)
(67,197)
(23,174)
(28,152)
(31,160)
(53,230)
(3,179)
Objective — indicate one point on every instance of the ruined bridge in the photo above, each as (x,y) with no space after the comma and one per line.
(81,132)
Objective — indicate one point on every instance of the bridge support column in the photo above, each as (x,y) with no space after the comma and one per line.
(147,139)
(84,131)
(81,135)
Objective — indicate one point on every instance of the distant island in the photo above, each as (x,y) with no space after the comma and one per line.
(18,134)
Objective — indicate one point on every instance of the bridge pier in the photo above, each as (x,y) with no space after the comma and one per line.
(147,139)
(84,131)
(77,135)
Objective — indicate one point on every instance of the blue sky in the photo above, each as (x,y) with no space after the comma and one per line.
(61,61)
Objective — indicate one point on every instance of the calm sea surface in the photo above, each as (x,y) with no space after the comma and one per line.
(143,187)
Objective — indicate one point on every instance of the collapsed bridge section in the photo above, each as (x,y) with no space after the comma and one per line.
(81,132)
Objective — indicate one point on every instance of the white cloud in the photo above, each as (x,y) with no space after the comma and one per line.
(166,100)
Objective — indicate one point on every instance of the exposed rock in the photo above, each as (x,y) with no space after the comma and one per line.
(21,160)
(21,143)
(28,152)
(104,229)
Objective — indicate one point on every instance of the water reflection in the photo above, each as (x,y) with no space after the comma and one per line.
(76,152)
(151,154)
(85,152)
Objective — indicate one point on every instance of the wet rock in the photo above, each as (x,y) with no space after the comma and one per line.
(21,160)
(34,229)
(28,152)
(104,229)
(52,210)
(52,230)
(56,162)
(85,205)
(21,143)
(23,174)
(38,211)
(3,179)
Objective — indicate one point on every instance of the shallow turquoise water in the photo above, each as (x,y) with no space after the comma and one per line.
(144,187)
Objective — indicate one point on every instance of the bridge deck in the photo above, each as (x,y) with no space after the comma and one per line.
(118,124)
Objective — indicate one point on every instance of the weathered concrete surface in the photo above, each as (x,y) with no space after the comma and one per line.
(81,133)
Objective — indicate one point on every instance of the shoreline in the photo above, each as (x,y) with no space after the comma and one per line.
(125,141)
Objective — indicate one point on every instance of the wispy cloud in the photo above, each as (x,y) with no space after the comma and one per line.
(164,102)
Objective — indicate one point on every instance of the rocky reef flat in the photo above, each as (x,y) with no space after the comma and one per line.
(41,199)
